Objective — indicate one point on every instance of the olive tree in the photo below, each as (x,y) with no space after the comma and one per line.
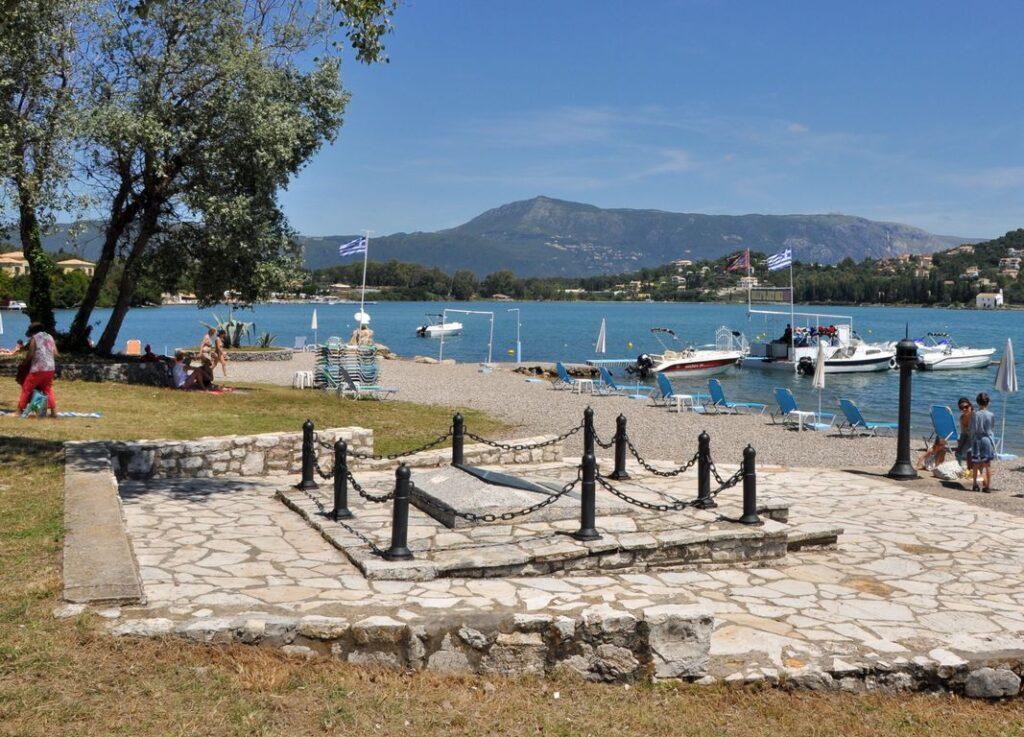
(198,114)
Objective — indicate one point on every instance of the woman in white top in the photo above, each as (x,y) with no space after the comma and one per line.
(42,363)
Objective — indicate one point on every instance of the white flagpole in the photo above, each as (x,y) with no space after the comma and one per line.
(792,316)
(362,292)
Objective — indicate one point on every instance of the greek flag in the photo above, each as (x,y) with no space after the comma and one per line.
(780,260)
(352,247)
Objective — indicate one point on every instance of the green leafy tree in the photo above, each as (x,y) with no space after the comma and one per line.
(200,112)
(38,123)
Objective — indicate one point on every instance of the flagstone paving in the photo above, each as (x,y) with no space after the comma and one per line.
(914,577)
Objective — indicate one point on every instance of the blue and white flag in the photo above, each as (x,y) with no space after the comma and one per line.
(780,260)
(352,247)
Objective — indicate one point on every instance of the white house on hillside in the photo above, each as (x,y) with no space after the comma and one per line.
(989,300)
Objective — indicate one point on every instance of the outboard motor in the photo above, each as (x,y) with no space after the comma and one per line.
(642,367)
(805,366)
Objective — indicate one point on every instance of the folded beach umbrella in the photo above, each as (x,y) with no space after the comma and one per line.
(601,346)
(1006,382)
(315,328)
(819,375)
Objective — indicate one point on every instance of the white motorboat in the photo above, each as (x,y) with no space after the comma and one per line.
(438,327)
(797,348)
(938,352)
(687,361)
(13,304)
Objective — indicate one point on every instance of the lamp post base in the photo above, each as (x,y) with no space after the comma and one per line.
(903,471)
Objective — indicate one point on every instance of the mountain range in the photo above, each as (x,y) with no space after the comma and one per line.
(549,237)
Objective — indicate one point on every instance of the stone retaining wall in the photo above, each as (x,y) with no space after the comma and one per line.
(267,454)
(279,354)
(129,372)
(603,644)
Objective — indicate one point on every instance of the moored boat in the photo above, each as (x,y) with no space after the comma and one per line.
(688,361)
(438,327)
(938,352)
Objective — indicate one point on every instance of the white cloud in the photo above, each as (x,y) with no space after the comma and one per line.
(797,128)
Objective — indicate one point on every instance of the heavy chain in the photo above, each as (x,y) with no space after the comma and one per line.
(392,456)
(323,474)
(726,483)
(609,444)
(504,516)
(322,510)
(675,506)
(367,495)
(664,474)
(525,446)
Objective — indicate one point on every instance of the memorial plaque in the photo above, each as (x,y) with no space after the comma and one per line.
(442,491)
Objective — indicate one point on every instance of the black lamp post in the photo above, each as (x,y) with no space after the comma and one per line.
(906,359)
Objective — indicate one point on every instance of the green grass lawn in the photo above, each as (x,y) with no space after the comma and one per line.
(66,677)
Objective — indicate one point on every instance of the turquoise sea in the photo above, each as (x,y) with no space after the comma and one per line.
(568,330)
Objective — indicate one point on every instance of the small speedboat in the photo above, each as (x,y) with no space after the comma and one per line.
(438,327)
(13,304)
(938,352)
(852,358)
(686,361)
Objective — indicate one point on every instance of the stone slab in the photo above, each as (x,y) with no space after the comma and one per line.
(98,561)
(444,491)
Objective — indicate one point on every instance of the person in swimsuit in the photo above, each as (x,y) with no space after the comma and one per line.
(220,351)
(206,344)
(963,448)
(983,445)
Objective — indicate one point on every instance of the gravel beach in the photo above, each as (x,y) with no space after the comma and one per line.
(534,407)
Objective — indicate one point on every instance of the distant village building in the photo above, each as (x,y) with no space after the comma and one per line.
(965,250)
(1010,273)
(1010,262)
(682,263)
(989,300)
(13,263)
(971,272)
(748,282)
(76,264)
(922,273)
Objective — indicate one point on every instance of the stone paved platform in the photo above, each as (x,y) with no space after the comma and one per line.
(919,591)
(632,538)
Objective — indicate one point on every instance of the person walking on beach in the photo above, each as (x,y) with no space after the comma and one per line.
(206,344)
(220,351)
(41,360)
(983,447)
(963,448)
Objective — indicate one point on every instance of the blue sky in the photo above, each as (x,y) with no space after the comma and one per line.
(904,111)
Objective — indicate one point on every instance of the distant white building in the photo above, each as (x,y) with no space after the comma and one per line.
(989,300)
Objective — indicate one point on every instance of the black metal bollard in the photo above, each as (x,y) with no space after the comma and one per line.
(399,549)
(588,431)
(620,473)
(749,488)
(458,439)
(906,357)
(341,510)
(588,501)
(308,457)
(704,498)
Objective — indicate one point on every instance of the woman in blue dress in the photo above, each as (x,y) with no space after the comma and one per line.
(983,446)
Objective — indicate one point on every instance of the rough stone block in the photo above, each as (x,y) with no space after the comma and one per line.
(378,630)
(992,683)
(316,627)
(679,637)
(518,653)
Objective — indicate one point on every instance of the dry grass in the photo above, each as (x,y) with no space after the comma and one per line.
(64,677)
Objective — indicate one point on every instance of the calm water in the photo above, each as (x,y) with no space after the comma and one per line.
(568,330)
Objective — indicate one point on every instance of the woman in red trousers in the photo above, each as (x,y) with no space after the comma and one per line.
(41,360)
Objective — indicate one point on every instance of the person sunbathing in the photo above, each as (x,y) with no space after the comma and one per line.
(18,348)
(202,377)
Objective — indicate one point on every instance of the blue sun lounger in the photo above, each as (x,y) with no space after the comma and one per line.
(563,380)
(719,403)
(856,423)
(790,414)
(608,386)
(665,394)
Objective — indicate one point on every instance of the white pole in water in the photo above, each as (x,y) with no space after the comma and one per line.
(490,340)
(444,321)
(519,344)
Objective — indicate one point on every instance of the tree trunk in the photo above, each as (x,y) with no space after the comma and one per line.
(120,219)
(40,265)
(126,286)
